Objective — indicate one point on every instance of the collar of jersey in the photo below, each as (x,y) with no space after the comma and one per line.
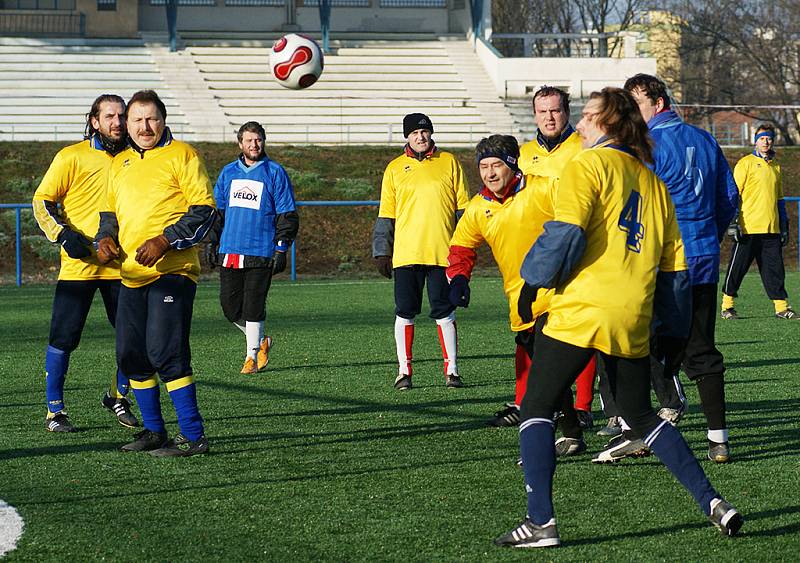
(568,130)
(166,139)
(768,157)
(604,142)
(516,184)
(247,169)
(666,118)
(411,153)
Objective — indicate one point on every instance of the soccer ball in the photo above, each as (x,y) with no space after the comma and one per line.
(296,61)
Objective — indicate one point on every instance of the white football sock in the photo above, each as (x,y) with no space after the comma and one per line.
(448,339)
(718,436)
(240,326)
(404,340)
(253,332)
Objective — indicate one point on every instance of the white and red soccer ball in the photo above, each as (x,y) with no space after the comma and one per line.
(296,61)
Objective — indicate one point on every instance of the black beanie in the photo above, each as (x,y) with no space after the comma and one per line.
(414,121)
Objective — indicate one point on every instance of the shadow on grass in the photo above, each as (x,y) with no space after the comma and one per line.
(789,529)
(392,363)
(762,363)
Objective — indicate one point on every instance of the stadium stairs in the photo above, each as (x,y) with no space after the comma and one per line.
(214,84)
(48,85)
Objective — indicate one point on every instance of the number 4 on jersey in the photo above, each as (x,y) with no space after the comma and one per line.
(630,222)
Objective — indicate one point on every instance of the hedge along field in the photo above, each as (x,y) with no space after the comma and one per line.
(331,242)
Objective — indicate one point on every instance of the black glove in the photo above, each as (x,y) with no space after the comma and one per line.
(784,235)
(75,244)
(212,254)
(527,295)
(278,262)
(735,232)
(459,291)
(384,265)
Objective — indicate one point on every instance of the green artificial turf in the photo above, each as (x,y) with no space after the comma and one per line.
(319,459)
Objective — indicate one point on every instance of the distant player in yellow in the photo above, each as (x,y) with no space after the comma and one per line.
(422,195)
(556,141)
(614,240)
(160,205)
(763,226)
(495,215)
(76,180)
(553,146)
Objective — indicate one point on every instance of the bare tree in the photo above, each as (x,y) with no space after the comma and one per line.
(742,53)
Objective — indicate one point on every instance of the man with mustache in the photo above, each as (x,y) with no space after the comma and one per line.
(160,205)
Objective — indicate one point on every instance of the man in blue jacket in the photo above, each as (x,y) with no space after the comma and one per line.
(255,200)
(690,162)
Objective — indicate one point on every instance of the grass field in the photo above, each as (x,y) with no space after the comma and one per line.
(318,459)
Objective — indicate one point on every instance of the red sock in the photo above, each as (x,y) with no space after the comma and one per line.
(522,365)
(584,387)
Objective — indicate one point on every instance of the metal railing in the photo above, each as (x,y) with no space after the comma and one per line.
(31,23)
(37,5)
(19,207)
(566,45)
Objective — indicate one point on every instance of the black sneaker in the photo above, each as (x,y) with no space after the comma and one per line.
(453,381)
(528,534)
(725,517)
(585,419)
(402,382)
(145,441)
(787,313)
(59,423)
(121,409)
(569,446)
(181,446)
(509,416)
(729,314)
(620,447)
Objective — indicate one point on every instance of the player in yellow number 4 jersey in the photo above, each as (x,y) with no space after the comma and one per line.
(613,246)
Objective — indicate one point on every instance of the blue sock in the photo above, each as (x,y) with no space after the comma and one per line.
(537,446)
(148,397)
(56,363)
(673,451)
(184,398)
(123,384)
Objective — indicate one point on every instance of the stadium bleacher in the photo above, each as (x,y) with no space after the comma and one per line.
(366,89)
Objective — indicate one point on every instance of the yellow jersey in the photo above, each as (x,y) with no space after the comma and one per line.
(760,187)
(536,160)
(631,232)
(77,179)
(422,197)
(150,191)
(509,228)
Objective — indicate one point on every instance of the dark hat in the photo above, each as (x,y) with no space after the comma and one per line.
(414,121)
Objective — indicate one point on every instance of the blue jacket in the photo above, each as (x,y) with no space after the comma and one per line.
(251,198)
(691,164)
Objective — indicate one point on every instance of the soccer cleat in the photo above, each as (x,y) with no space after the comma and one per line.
(725,517)
(585,419)
(509,416)
(262,358)
(612,428)
(569,446)
(122,410)
(719,452)
(145,441)
(528,534)
(729,314)
(621,447)
(453,381)
(402,382)
(181,446)
(250,366)
(787,313)
(673,416)
(59,423)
